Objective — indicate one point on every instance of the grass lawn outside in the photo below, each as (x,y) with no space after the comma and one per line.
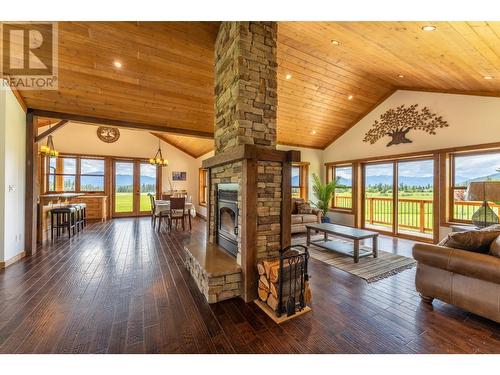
(124,202)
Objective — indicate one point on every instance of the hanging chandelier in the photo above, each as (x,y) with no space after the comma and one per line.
(158,159)
(49,149)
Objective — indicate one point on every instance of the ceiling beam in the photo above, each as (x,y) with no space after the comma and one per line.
(122,124)
(162,138)
(51,130)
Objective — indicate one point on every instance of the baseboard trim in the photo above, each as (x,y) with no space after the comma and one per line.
(12,260)
(202,217)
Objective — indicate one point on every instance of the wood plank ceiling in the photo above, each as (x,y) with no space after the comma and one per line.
(167,72)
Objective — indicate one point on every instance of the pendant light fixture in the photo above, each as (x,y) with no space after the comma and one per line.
(158,159)
(49,149)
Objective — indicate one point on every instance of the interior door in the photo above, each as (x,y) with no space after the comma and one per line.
(125,189)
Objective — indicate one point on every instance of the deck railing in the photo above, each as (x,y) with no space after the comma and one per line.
(413,214)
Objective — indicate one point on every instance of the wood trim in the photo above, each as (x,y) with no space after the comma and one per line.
(286,204)
(31,190)
(51,130)
(436,204)
(451,92)
(361,117)
(456,149)
(202,200)
(121,124)
(246,151)
(303,177)
(202,217)
(331,175)
(162,138)
(249,230)
(301,146)
(12,260)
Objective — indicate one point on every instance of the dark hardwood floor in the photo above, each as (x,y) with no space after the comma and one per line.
(121,287)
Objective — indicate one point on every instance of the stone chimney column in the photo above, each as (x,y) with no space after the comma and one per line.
(245,85)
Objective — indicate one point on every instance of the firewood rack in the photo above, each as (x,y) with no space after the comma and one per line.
(293,277)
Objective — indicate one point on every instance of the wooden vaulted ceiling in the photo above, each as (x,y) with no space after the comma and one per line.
(167,73)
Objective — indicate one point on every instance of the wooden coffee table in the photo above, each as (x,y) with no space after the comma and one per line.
(346,232)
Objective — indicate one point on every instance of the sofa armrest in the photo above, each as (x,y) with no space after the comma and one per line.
(318,213)
(480,266)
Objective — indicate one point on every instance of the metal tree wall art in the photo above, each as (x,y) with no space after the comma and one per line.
(396,123)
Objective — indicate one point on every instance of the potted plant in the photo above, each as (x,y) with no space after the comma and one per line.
(323,194)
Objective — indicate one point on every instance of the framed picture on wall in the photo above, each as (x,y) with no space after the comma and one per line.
(179,176)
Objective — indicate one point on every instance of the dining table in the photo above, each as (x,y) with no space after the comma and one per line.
(162,209)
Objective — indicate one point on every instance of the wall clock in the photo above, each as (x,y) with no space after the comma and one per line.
(107,134)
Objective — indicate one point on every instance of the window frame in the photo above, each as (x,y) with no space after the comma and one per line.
(303,180)
(332,176)
(451,188)
(203,185)
(59,174)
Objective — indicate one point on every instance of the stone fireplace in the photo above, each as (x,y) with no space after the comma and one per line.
(227,217)
(245,151)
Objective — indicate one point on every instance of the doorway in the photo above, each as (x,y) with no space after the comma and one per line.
(133,180)
(398,197)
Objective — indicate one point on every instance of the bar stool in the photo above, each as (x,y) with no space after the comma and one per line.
(62,218)
(79,222)
(81,215)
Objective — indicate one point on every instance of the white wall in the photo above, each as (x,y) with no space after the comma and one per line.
(82,139)
(12,175)
(472,120)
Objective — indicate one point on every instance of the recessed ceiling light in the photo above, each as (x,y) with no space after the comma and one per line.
(350,97)
(335,42)
(288,76)
(401,76)
(117,64)
(429,28)
(313,132)
(488,77)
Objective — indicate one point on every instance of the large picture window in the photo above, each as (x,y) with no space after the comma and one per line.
(300,179)
(342,197)
(465,168)
(75,174)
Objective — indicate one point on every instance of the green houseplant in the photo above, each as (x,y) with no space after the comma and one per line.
(323,193)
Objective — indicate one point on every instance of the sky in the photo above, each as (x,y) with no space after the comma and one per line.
(123,168)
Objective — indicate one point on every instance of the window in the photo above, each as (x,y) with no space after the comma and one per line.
(203,187)
(75,174)
(300,178)
(469,167)
(91,175)
(342,197)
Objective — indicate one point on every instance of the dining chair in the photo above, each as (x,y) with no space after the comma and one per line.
(177,211)
(155,213)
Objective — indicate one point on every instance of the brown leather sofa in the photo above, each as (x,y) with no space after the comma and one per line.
(299,221)
(463,278)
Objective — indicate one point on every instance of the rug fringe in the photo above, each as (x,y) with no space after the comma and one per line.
(390,273)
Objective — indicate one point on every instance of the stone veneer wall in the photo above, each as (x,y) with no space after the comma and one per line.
(215,288)
(245,85)
(228,173)
(269,195)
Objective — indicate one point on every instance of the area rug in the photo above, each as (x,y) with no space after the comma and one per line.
(369,268)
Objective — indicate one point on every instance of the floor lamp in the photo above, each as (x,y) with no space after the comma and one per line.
(485,191)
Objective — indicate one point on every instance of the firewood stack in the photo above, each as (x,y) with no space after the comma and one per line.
(269,273)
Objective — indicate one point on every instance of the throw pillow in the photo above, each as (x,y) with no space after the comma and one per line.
(495,247)
(304,209)
(477,241)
